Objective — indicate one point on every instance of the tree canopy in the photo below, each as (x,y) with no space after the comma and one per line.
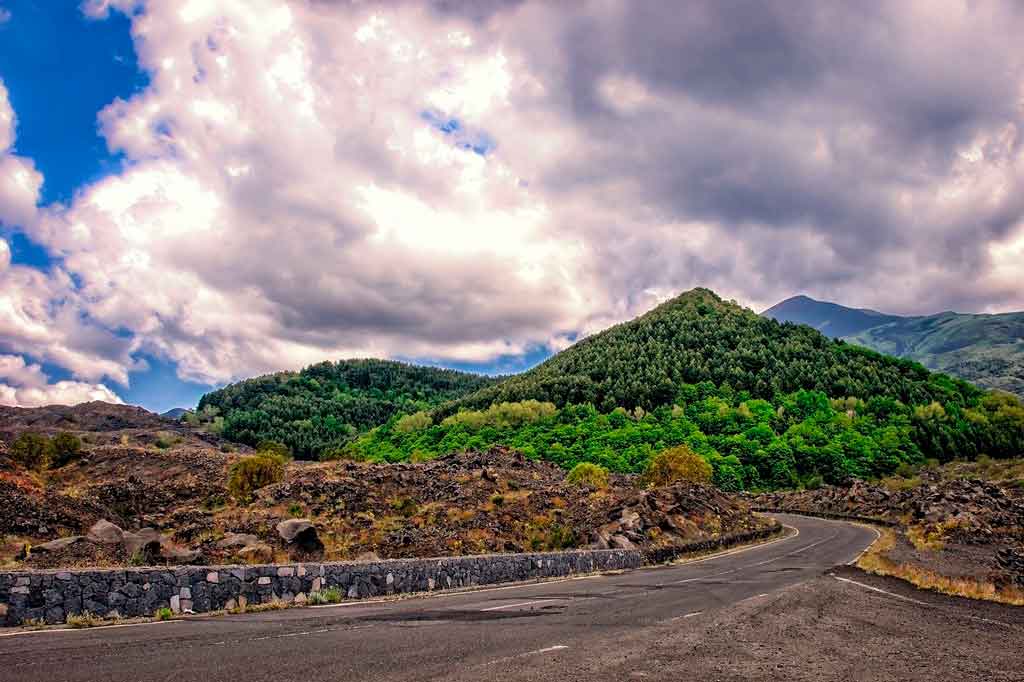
(324,405)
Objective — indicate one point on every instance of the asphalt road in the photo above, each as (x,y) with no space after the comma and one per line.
(534,631)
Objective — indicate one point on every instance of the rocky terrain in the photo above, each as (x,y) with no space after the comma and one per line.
(147,490)
(957,527)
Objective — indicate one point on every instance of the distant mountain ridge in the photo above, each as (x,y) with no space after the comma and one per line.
(985,349)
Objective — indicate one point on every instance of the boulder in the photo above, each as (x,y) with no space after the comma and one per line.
(57,545)
(232,540)
(621,542)
(173,554)
(145,540)
(256,554)
(300,533)
(106,533)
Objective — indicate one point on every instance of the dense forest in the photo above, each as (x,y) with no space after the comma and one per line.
(768,404)
(325,405)
(698,337)
(801,439)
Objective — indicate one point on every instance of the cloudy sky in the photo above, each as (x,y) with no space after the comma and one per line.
(193,192)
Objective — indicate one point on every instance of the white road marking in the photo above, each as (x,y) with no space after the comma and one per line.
(89,629)
(922,603)
(523,603)
(683,617)
(878,536)
(545,650)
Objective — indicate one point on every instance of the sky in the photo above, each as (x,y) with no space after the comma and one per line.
(197,192)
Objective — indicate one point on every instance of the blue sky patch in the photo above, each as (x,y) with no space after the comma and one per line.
(60,69)
(476,141)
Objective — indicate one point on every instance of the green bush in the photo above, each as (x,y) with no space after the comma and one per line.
(163,613)
(677,464)
(249,474)
(332,595)
(274,449)
(67,447)
(32,450)
(590,475)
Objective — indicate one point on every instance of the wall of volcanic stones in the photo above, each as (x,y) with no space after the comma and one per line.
(51,595)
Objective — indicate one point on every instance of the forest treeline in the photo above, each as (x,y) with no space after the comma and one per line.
(768,404)
(325,405)
(699,337)
(801,439)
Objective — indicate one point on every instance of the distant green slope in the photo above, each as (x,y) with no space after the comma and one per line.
(324,405)
(699,337)
(987,350)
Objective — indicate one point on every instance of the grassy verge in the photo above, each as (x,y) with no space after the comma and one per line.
(876,561)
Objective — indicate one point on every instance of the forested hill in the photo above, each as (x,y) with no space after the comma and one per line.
(699,337)
(322,406)
(987,350)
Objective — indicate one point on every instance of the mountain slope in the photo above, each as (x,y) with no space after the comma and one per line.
(698,337)
(987,350)
(325,404)
(831,319)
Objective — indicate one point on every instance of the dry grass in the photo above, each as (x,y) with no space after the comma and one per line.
(926,539)
(876,561)
(275,605)
(85,620)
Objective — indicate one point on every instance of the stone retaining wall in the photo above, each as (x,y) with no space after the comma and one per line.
(874,520)
(52,595)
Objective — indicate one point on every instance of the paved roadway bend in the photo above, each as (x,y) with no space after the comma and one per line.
(475,635)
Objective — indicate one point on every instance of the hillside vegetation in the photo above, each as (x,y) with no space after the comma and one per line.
(987,350)
(324,405)
(698,337)
(801,439)
(769,405)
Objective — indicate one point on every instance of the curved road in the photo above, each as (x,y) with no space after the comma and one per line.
(519,632)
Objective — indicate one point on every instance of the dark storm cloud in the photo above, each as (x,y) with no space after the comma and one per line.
(839,124)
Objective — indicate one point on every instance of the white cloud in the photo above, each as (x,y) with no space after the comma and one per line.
(25,385)
(290,195)
(19,180)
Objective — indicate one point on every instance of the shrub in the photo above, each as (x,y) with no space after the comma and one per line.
(167,439)
(588,474)
(406,506)
(332,595)
(413,422)
(66,447)
(32,450)
(295,509)
(249,474)
(272,448)
(163,613)
(677,464)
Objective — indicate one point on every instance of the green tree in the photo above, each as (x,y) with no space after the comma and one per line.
(679,463)
(32,450)
(249,474)
(590,475)
(66,447)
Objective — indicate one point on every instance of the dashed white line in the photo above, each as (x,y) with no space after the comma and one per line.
(522,603)
(545,650)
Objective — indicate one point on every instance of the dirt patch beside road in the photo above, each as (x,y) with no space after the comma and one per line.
(827,629)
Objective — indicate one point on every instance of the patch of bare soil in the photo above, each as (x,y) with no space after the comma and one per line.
(823,630)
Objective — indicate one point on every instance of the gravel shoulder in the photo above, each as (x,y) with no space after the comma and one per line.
(825,629)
